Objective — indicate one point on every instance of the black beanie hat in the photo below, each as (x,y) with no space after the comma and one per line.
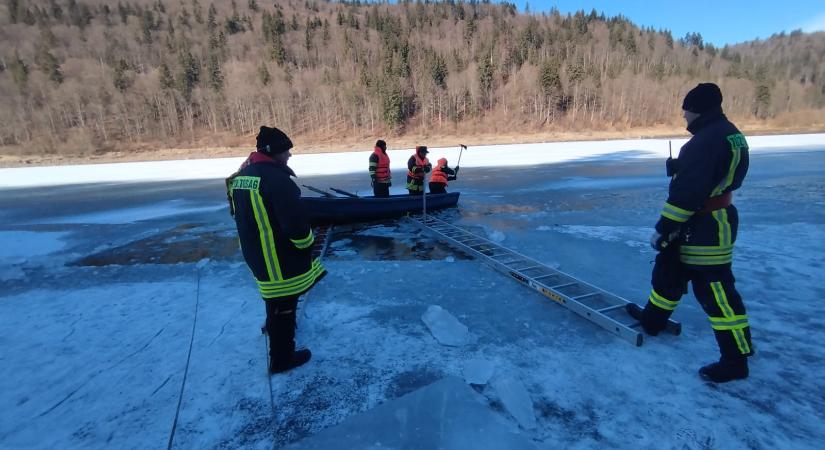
(271,141)
(381,144)
(702,98)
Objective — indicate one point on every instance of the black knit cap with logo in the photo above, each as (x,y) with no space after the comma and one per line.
(271,141)
(704,97)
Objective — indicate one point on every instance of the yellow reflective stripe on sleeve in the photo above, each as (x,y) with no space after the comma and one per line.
(266,235)
(662,302)
(721,217)
(727,311)
(676,213)
(305,242)
(291,286)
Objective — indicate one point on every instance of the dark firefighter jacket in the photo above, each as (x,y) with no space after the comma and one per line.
(712,163)
(274,228)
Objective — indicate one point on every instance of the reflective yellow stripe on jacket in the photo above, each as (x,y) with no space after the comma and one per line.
(273,268)
(291,286)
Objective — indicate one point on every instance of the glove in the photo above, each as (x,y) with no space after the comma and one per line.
(456,170)
(659,242)
(672,166)
(656,241)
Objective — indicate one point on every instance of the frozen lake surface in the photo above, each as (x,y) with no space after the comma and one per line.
(128,320)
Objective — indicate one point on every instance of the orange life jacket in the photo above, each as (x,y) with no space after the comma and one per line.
(382,171)
(420,163)
(438,175)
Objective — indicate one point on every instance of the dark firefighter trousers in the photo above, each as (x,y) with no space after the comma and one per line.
(713,287)
(280,326)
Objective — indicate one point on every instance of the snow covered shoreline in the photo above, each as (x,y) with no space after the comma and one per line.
(354,162)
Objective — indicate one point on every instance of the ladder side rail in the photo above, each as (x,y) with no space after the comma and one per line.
(593,315)
(589,286)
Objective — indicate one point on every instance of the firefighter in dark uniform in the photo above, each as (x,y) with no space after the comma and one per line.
(418,165)
(276,241)
(696,232)
(380,170)
(442,175)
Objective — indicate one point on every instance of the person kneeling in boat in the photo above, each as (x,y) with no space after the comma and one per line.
(440,177)
(418,165)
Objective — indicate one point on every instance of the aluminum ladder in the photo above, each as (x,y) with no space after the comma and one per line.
(590,302)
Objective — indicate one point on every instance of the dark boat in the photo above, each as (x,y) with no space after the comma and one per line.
(363,209)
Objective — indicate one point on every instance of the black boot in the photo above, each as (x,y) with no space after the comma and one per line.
(298,358)
(725,370)
(652,319)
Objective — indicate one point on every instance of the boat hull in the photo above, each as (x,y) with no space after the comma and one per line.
(364,209)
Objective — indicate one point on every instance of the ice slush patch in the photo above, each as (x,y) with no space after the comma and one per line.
(496,236)
(19,246)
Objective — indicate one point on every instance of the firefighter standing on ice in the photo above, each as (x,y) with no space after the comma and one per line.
(276,241)
(697,230)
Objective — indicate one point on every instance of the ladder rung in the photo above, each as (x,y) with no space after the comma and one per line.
(538,277)
(564,285)
(509,262)
(610,308)
(528,268)
(586,295)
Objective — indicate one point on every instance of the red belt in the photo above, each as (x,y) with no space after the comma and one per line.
(718,202)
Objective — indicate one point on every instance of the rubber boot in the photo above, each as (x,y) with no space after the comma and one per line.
(298,358)
(725,370)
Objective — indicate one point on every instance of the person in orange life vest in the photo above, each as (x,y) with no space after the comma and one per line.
(417,166)
(380,170)
(441,175)
(276,241)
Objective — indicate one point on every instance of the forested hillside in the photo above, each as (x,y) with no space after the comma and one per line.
(80,76)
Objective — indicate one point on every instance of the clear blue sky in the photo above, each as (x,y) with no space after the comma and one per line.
(720,22)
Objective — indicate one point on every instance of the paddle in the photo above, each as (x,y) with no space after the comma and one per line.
(320,191)
(341,191)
